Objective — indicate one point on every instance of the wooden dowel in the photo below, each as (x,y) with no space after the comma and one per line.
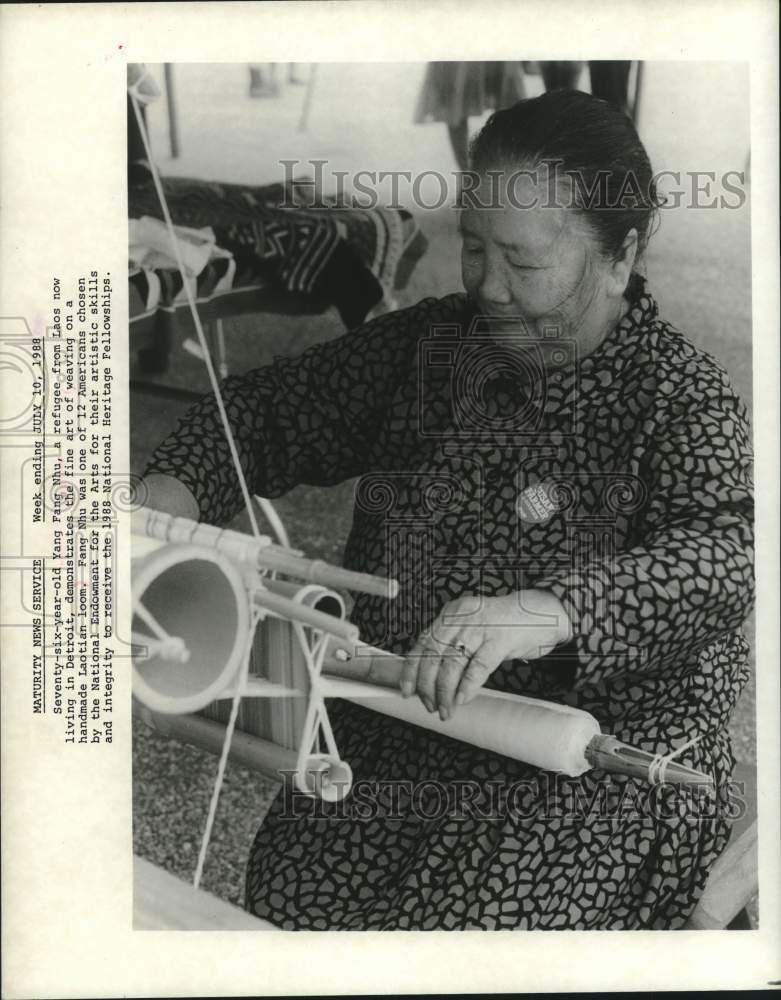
(258,553)
(173,126)
(317,571)
(382,670)
(295,611)
(248,751)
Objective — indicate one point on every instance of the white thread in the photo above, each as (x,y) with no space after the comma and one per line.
(226,745)
(274,520)
(197,323)
(151,622)
(657,769)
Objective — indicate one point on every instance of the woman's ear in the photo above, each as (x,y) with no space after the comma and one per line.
(622,266)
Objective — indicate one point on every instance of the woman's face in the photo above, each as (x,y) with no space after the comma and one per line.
(540,264)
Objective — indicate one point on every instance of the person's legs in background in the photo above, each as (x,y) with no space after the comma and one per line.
(560,75)
(459,141)
(260,86)
(610,81)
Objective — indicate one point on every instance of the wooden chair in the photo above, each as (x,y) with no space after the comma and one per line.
(162,902)
(734,877)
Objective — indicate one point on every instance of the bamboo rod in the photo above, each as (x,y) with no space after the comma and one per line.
(285,663)
(248,751)
(602,751)
(260,553)
(317,571)
(173,124)
(297,612)
(382,669)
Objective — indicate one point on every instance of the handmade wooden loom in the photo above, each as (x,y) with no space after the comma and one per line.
(200,597)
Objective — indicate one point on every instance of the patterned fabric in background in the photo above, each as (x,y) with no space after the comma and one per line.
(351,258)
(626,490)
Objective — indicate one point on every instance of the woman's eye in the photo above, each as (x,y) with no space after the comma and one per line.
(472,249)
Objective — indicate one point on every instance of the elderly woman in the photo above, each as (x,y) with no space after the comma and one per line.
(561,483)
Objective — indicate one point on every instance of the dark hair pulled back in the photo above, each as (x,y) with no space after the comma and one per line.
(588,141)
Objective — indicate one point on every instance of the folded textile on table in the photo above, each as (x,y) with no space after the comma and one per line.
(347,257)
(150,246)
(151,250)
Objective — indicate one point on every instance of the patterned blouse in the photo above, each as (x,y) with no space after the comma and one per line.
(621,482)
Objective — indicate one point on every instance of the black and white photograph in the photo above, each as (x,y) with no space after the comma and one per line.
(389,493)
(441,385)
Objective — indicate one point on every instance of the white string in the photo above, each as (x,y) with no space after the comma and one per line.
(150,621)
(274,520)
(197,321)
(657,769)
(241,684)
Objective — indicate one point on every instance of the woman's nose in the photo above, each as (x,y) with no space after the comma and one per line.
(493,286)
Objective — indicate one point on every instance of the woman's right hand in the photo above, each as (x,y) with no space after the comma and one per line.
(170,496)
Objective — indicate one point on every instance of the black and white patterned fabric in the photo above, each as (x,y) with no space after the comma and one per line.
(350,257)
(624,487)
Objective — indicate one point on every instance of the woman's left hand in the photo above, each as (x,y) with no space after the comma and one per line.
(472,635)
